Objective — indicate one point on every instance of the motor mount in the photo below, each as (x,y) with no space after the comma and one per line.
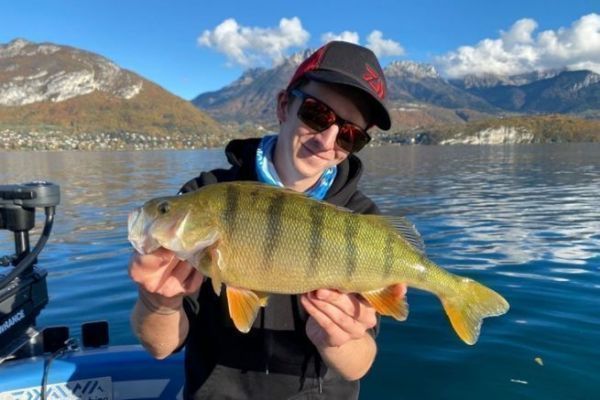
(23,287)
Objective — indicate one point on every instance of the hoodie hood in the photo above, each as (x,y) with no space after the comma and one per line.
(241,154)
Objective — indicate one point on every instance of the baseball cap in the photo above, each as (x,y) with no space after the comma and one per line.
(352,65)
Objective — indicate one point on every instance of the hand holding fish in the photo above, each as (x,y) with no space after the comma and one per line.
(337,318)
(163,278)
(338,326)
(158,319)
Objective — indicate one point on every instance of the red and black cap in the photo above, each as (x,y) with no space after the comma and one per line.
(348,64)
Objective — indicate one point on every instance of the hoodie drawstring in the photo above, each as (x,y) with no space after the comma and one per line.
(300,318)
(267,341)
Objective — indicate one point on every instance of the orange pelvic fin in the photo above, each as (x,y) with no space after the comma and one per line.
(243,306)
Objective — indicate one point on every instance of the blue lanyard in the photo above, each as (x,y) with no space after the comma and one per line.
(265,170)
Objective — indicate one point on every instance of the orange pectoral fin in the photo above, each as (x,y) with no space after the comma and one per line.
(387,302)
(210,263)
(243,306)
(215,268)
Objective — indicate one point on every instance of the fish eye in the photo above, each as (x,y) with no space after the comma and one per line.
(163,207)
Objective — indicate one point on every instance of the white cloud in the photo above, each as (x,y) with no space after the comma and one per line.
(345,36)
(251,46)
(383,47)
(518,50)
(375,41)
(519,33)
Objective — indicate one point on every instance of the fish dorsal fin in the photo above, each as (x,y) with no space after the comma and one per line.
(408,231)
(265,187)
(243,306)
(405,228)
(344,209)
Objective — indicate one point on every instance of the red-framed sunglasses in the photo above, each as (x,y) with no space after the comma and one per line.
(319,116)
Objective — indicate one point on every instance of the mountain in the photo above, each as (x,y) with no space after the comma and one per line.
(418,96)
(60,91)
(414,82)
(551,92)
(489,80)
(251,98)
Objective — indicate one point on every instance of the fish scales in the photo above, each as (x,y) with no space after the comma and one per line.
(255,245)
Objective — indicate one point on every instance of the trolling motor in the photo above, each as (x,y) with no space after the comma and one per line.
(23,288)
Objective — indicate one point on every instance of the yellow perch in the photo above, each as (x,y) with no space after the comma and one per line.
(259,239)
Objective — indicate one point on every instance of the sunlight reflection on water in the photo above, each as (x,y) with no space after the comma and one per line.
(524,220)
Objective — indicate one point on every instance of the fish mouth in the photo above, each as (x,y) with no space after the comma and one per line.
(146,233)
(139,236)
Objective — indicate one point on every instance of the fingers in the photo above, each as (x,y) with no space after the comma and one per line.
(161,272)
(171,283)
(323,338)
(163,255)
(321,329)
(183,280)
(143,266)
(352,306)
(153,260)
(340,317)
(169,266)
(193,282)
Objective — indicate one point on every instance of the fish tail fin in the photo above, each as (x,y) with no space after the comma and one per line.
(467,307)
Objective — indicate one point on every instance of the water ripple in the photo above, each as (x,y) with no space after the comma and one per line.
(523,220)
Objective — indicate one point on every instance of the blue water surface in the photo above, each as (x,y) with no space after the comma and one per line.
(524,220)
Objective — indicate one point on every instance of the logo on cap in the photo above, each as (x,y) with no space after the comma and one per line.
(373,79)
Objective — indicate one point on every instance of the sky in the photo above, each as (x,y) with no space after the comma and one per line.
(191,47)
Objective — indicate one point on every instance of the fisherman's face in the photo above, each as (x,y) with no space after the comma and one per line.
(310,153)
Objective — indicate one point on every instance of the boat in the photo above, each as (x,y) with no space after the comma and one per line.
(48,362)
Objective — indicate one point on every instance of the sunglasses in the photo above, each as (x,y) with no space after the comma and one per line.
(319,116)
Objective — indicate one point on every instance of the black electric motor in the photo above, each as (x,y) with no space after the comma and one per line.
(23,289)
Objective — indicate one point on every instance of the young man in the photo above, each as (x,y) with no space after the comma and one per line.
(317,345)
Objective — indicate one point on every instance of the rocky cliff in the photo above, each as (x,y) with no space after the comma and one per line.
(70,98)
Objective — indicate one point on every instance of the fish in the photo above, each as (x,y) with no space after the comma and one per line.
(256,240)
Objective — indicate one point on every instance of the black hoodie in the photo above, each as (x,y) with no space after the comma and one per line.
(275,360)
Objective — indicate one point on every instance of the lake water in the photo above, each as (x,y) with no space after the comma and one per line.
(524,220)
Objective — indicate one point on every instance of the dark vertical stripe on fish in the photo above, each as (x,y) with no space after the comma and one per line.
(315,246)
(232,204)
(388,253)
(350,236)
(274,226)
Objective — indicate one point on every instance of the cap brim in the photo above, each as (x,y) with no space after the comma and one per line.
(382,116)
